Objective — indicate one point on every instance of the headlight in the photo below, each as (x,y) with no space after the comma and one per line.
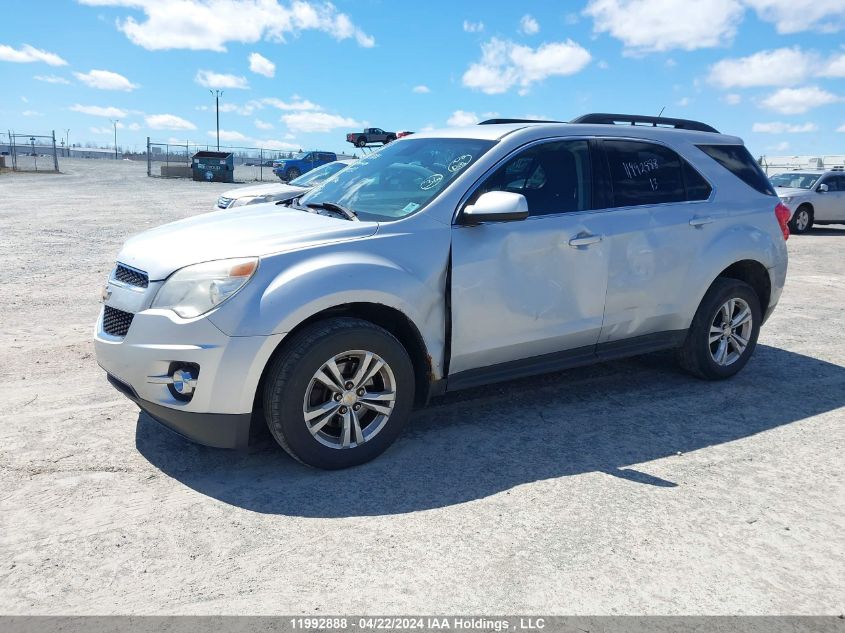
(194,290)
(239,202)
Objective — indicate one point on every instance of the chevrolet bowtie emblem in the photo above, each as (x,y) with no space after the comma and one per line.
(106,293)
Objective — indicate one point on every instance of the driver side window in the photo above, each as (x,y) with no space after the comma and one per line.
(554,178)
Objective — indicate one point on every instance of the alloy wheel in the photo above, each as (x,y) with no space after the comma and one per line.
(349,399)
(730,331)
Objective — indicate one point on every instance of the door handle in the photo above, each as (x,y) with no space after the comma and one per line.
(696,222)
(584,240)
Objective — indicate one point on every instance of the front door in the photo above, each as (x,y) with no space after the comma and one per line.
(523,289)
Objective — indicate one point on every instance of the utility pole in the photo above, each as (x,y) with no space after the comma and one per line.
(217,94)
(114,123)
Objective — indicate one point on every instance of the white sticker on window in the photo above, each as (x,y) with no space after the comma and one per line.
(460,162)
(431,182)
(411,206)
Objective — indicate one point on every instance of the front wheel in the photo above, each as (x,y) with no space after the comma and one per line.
(802,220)
(724,331)
(292,173)
(339,394)
(361,142)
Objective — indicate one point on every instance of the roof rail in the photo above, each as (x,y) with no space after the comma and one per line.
(635,119)
(496,121)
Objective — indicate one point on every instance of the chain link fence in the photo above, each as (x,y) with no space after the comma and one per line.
(173,160)
(29,152)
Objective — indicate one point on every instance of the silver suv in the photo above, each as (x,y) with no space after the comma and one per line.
(444,261)
(814,196)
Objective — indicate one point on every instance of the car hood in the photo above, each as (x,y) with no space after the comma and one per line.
(253,230)
(790,192)
(262,190)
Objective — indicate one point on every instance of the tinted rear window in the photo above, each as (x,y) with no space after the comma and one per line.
(738,160)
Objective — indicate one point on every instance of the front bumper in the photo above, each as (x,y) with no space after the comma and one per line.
(209,429)
(230,368)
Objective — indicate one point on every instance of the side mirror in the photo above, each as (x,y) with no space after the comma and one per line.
(822,188)
(496,206)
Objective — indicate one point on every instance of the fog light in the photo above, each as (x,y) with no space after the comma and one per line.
(181,380)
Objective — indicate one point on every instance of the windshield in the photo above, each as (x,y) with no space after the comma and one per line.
(401,178)
(319,175)
(794,180)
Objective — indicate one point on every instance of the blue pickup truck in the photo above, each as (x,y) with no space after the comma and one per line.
(290,168)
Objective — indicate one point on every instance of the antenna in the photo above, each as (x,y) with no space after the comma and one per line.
(661,111)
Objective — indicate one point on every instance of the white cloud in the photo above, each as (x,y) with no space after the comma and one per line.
(233,136)
(318,122)
(841,128)
(779,127)
(51,79)
(683,102)
(798,100)
(296,104)
(794,16)
(834,67)
(262,125)
(31,113)
(168,122)
(660,25)
(778,67)
(422,89)
(210,25)
(261,65)
(211,79)
(105,80)
(460,118)
(732,99)
(528,25)
(473,27)
(29,54)
(134,126)
(505,64)
(109,112)
(779,147)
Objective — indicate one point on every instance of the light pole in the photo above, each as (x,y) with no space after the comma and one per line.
(114,123)
(67,141)
(217,94)
(34,153)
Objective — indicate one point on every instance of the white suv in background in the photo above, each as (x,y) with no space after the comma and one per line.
(446,260)
(813,196)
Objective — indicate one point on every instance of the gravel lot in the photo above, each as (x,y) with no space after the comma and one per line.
(624,488)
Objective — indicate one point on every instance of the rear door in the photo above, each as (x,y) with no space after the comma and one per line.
(659,223)
(830,205)
(522,289)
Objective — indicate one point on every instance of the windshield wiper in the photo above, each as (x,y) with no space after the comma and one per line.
(349,214)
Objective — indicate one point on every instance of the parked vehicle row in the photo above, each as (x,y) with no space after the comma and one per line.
(443,261)
(814,197)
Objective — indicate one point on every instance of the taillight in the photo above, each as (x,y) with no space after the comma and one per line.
(783,213)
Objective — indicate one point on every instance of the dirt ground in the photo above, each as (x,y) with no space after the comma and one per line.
(624,488)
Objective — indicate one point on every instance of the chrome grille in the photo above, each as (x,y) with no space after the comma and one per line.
(130,276)
(116,322)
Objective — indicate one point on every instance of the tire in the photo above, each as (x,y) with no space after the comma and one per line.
(802,220)
(361,142)
(292,388)
(698,355)
(292,173)
(389,139)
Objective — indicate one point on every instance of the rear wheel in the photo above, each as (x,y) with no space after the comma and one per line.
(339,394)
(292,173)
(802,220)
(724,332)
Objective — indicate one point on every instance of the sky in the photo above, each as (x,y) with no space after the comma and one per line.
(301,74)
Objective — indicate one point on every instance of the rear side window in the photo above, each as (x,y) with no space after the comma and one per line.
(738,160)
(644,173)
(697,188)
